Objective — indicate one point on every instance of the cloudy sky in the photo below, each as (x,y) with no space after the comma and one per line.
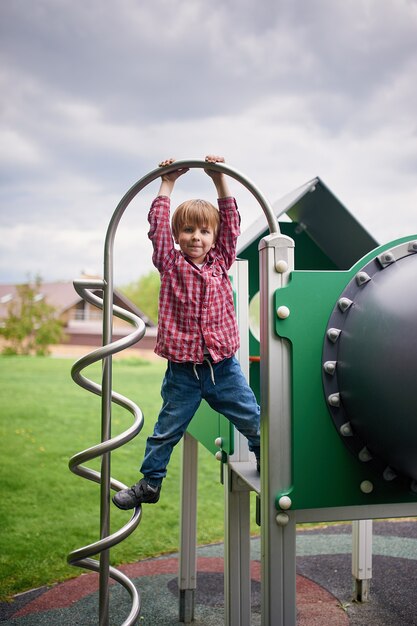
(94,93)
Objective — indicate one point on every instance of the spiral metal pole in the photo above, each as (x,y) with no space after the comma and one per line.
(82,557)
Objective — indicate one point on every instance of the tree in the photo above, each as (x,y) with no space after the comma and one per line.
(144,292)
(31,325)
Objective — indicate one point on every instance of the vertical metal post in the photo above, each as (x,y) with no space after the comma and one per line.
(105,460)
(237,580)
(239,273)
(106,411)
(362,558)
(104,530)
(188,530)
(277,532)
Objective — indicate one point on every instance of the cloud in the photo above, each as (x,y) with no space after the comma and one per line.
(163,60)
(99,92)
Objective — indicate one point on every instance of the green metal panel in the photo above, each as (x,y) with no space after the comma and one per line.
(318,216)
(207,425)
(330,225)
(308,255)
(324,472)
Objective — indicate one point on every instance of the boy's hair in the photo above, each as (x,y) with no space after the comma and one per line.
(195,213)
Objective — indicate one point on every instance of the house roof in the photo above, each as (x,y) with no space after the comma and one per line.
(62,296)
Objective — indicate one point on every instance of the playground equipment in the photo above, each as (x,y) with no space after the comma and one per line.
(306,388)
(82,556)
(321,370)
(87,289)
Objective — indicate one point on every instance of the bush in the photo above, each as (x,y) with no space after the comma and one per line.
(31,325)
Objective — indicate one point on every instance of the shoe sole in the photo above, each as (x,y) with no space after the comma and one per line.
(135,506)
(124,508)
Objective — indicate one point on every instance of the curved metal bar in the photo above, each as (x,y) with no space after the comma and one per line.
(121,578)
(190,164)
(96,547)
(82,556)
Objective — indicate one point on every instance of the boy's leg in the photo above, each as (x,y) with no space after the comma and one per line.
(232,397)
(181,394)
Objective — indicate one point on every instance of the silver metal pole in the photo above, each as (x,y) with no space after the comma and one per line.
(362,558)
(105,459)
(277,533)
(188,530)
(237,579)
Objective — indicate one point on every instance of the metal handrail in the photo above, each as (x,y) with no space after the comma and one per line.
(185,164)
(82,556)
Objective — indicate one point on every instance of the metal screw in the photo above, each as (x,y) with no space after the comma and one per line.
(346,430)
(281,266)
(285,502)
(282,519)
(344,304)
(283,312)
(330,367)
(362,278)
(334,399)
(366,486)
(333,334)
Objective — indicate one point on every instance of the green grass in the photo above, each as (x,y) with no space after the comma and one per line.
(46,511)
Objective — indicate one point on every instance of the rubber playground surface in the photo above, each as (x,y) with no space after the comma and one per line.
(324,585)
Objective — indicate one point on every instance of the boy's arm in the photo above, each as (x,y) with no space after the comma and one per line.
(229,216)
(219,179)
(160,231)
(229,230)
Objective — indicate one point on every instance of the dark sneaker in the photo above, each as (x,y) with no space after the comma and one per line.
(135,495)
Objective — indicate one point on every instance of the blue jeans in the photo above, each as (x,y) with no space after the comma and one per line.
(183,388)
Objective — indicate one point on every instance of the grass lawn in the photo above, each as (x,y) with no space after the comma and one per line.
(46,511)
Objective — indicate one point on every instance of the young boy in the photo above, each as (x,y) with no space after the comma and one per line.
(197,329)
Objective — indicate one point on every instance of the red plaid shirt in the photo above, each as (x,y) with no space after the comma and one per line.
(195,305)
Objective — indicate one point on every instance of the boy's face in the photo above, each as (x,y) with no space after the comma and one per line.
(196,241)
